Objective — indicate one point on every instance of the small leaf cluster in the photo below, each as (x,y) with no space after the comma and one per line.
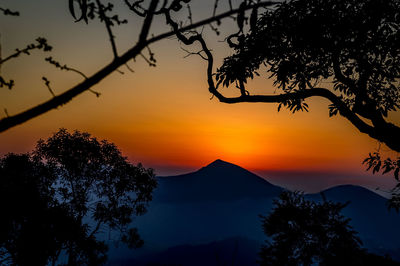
(388,165)
(85,10)
(41,44)
(176,5)
(375,163)
(294,105)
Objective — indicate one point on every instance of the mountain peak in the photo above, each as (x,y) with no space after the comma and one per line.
(218,163)
(219,180)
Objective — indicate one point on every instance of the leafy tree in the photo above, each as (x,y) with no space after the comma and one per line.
(305,232)
(347,52)
(60,198)
(26,204)
(354,45)
(104,11)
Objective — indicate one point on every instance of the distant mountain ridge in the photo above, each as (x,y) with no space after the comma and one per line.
(222,201)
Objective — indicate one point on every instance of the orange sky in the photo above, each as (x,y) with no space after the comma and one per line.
(163,116)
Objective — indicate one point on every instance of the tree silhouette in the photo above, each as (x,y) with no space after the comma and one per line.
(60,198)
(347,52)
(87,11)
(305,232)
(352,44)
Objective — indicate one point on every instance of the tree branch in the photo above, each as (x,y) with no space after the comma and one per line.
(41,44)
(14,120)
(108,27)
(339,75)
(147,21)
(381,131)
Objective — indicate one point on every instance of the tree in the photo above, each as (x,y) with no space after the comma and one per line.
(347,52)
(305,232)
(27,210)
(64,195)
(352,44)
(87,11)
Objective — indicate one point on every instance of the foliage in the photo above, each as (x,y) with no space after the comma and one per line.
(60,198)
(347,52)
(375,163)
(305,232)
(304,42)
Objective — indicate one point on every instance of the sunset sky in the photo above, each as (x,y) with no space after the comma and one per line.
(163,116)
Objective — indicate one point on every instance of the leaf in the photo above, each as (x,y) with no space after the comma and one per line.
(71,8)
(377,167)
(387,168)
(83,7)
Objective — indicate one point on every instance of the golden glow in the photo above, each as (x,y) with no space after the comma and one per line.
(164,115)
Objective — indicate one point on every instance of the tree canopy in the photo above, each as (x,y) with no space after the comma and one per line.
(64,195)
(305,232)
(347,52)
(304,45)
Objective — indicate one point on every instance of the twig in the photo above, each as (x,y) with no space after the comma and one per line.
(63,67)
(108,27)
(47,83)
(98,94)
(189,53)
(129,68)
(147,60)
(190,16)
(41,44)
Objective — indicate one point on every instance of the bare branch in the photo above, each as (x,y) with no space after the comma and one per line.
(148,61)
(190,16)
(107,23)
(98,94)
(88,83)
(64,67)
(8,84)
(189,53)
(129,68)
(47,83)
(41,44)
(147,21)
(215,7)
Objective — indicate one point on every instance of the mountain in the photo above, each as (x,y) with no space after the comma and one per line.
(223,201)
(218,181)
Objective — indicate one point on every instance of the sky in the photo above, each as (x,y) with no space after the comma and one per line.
(164,116)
